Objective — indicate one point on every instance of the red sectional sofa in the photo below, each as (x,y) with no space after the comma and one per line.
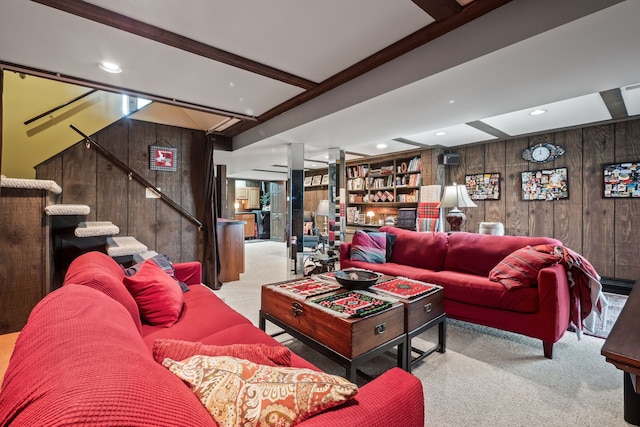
(85,358)
(461,262)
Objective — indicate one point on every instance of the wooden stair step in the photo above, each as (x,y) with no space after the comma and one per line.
(34,184)
(62,209)
(124,246)
(96,228)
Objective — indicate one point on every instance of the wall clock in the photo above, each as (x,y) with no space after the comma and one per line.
(542,153)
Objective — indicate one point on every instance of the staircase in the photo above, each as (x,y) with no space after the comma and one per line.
(72,235)
(38,241)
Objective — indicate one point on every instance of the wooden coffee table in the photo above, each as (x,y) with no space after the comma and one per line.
(347,341)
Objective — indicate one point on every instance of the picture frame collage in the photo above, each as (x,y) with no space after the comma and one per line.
(545,184)
(483,186)
(621,180)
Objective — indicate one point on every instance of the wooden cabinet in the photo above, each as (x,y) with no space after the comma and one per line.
(231,249)
(382,185)
(253,198)
(250,223)
(242,193)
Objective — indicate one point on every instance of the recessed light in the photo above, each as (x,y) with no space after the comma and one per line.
(452,101)
(381,146)
(110,67)
(537,112)
(440,133)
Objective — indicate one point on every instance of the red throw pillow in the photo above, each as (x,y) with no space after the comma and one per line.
(521,267)
(158,296)
(260,353)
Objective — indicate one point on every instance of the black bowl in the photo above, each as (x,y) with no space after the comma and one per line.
(356,279)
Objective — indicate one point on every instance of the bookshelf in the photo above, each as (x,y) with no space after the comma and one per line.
(383,185)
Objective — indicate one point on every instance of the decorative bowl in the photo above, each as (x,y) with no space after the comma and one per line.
(356,279)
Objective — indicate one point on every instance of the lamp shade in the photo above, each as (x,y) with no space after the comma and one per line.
(456,196)
(323,208)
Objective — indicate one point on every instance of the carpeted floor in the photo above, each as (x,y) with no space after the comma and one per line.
(487,377)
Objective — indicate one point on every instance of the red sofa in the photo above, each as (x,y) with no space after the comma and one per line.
(84,358)
(460,262)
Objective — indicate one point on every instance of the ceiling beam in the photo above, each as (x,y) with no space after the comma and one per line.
(439,9)
(121,22)
(423,36)
(482,126)
(615,103)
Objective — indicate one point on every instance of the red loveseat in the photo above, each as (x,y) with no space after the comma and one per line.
(85,358)
(461,262)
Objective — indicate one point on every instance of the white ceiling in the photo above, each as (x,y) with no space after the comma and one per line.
(493,70)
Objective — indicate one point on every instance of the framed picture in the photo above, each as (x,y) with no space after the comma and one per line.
(325,179)
(163,158)
(546,184)
(622,180)
(317,180)
(307,181)
(483,186)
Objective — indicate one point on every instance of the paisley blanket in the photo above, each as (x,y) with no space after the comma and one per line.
(587,299)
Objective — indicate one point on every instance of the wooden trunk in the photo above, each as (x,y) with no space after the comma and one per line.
(351,337)
(422,310)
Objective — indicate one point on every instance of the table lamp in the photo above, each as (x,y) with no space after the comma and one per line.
(323,210)
(455,196)
(371,214)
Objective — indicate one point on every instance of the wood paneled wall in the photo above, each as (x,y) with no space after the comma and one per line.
(605,231)
(88,178)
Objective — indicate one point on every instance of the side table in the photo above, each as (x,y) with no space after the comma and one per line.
(323,263)
(421,314)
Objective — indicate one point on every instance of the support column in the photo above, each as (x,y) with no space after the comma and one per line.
(295,207)
(336,194)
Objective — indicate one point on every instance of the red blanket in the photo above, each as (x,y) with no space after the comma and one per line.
(586,296)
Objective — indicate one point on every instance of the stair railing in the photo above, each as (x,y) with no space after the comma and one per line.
(133,174)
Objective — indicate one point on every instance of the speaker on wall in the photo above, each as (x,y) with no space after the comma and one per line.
(451,159)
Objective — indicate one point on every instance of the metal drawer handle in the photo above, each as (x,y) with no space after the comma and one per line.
(296,309)
(427,308)
(381,328)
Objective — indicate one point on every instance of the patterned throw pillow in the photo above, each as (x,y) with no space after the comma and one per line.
(237,392)
(271,355)
(391,239)
(521,267)
(369,247)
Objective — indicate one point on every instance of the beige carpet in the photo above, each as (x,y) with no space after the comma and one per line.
(486,378)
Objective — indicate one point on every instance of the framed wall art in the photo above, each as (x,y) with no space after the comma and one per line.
(307,181)
(483,186)
(163,158)
(622,180)
(317,180)
(546,184)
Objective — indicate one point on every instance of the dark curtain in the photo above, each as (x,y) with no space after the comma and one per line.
(211,259)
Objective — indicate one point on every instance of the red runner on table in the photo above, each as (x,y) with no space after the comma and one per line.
(405,288)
